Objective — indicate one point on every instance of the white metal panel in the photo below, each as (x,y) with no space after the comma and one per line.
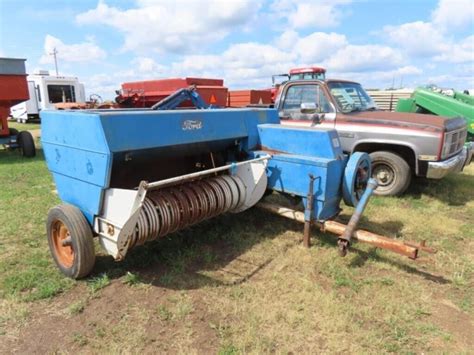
(118,204)
(255,180)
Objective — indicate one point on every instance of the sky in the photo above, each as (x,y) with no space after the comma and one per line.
(384,43)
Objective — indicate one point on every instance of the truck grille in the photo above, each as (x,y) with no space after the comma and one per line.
(453,142)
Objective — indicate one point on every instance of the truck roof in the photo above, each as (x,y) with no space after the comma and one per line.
(307,70)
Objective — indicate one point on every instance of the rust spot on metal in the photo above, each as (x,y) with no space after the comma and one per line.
(270,150)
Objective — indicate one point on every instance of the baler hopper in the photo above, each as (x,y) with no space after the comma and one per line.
(13,90)
(131,176)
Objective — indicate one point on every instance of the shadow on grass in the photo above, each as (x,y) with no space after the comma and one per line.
(182,260)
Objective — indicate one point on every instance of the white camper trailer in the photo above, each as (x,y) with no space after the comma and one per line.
(46,90)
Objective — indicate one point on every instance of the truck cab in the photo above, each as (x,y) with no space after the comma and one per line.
(401,145)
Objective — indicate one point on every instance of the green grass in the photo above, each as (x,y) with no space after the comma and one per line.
(97,283)
(243,283)
(24,126)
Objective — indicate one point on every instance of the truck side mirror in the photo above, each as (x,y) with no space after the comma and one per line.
(308,107)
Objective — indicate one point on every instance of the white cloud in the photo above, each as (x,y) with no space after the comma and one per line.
(409,70)
(405,76)
(242,64)
(180,26)
(417,38)
(454,14)
(310,14)
(81,52)
(362,58)
(148,65)
(318,46)
(461,52)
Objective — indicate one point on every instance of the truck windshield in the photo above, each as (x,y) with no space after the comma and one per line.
(351,97)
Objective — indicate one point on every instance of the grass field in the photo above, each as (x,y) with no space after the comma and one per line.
(24,126)
(243,283)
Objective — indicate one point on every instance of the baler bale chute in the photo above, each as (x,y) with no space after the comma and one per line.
(132,176)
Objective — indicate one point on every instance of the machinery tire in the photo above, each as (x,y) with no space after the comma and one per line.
(392,172)
(76,258)
(27,144)
(13,132)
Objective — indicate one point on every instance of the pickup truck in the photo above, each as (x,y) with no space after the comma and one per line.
(401,145)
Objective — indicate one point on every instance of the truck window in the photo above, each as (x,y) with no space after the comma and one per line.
(61,93)
(297,94)
(351,96)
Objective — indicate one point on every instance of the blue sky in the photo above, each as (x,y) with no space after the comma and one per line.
(105,43)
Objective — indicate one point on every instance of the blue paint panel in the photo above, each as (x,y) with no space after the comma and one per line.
(315,142)
(87,197)
(78,129)
(291,176)
(87,166)
(133,130)
(78,156)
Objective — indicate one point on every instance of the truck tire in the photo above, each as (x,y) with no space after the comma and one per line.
(27,144)
(70,241)
(392,172)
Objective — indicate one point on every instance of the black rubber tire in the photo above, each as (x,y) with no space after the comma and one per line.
(12,131)
(398,166)
(81,238)
(27,144)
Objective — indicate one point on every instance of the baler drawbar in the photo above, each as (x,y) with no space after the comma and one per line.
(134,175)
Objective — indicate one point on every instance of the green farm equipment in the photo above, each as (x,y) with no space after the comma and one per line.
(442,102)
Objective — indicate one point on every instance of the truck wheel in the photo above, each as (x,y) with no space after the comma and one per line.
(27,144)
(70,241)
(392,172)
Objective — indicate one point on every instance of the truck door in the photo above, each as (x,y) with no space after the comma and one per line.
(289,106)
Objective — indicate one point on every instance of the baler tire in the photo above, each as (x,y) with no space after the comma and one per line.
(401,173)
(81,241)
(27,144)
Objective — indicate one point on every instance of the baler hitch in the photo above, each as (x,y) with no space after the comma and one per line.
(344,240)
(409,249)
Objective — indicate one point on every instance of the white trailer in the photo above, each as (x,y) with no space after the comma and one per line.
(46,90)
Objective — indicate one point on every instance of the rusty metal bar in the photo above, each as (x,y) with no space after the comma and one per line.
(308,213)
(345,239)
(408,249)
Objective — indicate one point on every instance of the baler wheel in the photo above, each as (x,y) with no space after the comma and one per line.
(356,176)
(70,241)
(27,144)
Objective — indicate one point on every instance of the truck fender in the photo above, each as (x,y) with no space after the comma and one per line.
(389,144)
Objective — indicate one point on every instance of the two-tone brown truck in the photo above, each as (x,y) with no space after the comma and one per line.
(401,145)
